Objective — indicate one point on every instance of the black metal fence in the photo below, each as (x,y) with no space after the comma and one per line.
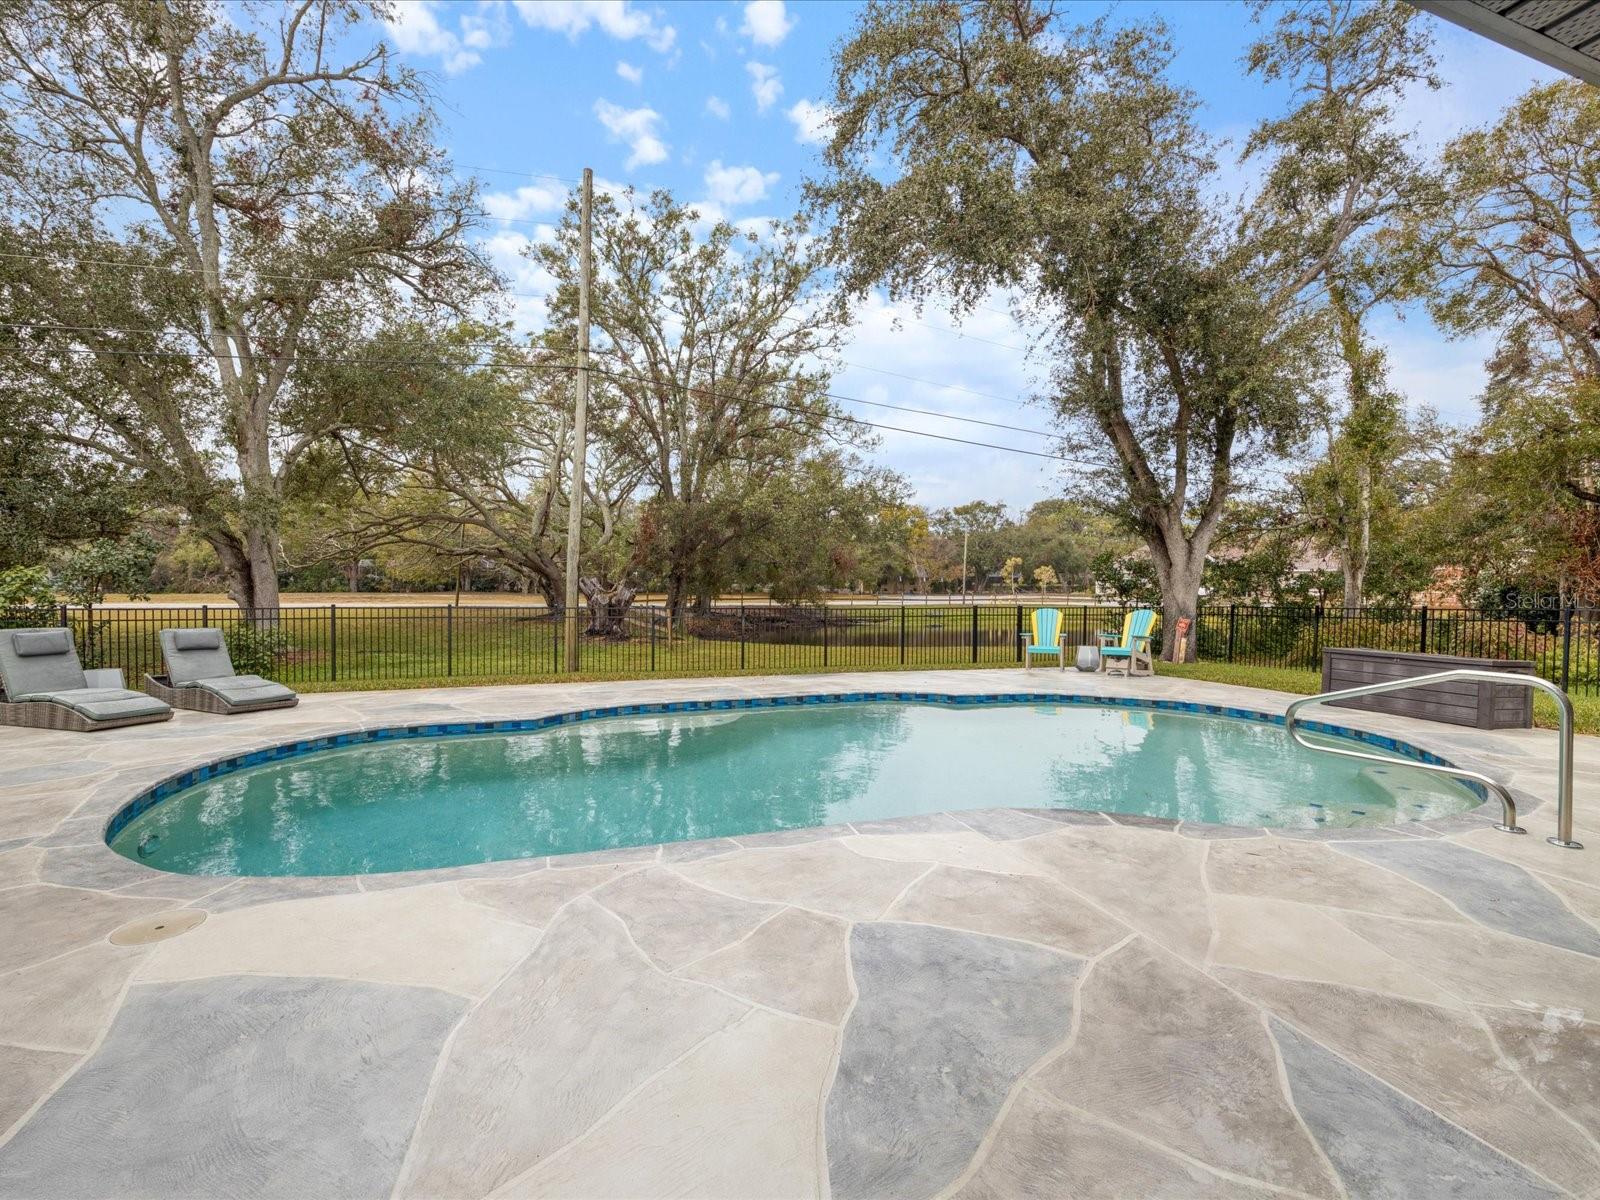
(376,643)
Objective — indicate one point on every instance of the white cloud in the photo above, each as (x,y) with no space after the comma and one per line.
(1430,371)
(813,121)
(483,29)
(737,185)
(718,108)
(766,23)
(957,375)
(630,72)
(638,127)
(616,18)
(707,213)
(764,84)
(415,29)
(524,202)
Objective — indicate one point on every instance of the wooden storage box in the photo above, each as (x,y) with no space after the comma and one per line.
(1459,702)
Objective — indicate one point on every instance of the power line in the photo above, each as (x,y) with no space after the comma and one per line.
(194,355)
(953,387)
(924,412)
(493,364)
(773,407)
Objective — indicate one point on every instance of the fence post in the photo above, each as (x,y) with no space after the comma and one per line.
(205,615)
(1566,648)
(652,639)
(1422,636)
(824,633)
(333,643)
(66,621)
(974,633)
(449,639)
(902,633)
(741,632)
(1019,633)
(1316,636)
(1233,625)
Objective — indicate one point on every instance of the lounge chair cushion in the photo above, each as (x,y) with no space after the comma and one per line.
(245,690)
(102,704)
(38,660)
(195,654)
(197,639)
(33,643)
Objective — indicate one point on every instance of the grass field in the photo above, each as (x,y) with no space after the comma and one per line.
(385,645)
(388,645)
(522,599)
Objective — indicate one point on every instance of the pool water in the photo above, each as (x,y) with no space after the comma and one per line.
(627,781)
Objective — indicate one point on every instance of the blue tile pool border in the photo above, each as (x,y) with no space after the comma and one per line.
(172,785)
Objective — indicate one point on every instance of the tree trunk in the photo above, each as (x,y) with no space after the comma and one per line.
(352,575)
(1180,566)
(1354,583)
(608,607)
(263,575)
(677,591)
(1357,550)
(244,573)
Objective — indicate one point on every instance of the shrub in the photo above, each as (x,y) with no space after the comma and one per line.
(26,587)
(26,598)
(256,649)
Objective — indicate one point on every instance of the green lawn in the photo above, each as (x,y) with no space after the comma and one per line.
(393,646)
(383,646)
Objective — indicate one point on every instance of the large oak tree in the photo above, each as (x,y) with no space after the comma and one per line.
(714,342)
(1510,246)
(197,195)
(988,144)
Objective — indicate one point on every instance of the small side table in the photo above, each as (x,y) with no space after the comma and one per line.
(1088,659)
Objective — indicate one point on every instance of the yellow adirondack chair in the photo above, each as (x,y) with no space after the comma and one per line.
(1132,648)
(1045,637)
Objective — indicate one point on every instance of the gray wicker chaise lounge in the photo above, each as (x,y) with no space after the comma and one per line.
(42,686)
(200,677)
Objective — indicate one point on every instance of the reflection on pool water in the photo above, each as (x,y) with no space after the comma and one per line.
(625,781)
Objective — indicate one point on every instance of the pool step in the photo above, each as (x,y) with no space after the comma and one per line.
(1410,794)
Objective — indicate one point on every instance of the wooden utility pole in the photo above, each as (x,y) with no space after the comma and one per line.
(580,420)
(965,535)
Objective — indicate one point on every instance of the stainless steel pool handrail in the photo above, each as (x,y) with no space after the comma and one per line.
(1508,806)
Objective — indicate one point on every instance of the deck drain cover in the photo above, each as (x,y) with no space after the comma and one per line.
(157,927)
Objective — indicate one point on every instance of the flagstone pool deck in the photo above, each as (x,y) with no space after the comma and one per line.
(990,1003)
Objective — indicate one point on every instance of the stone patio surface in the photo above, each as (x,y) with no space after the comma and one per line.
(990,1003)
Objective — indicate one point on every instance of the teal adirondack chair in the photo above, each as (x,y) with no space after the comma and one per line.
(1127,652)
(1044,638)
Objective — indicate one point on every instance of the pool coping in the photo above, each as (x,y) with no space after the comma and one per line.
(153,795)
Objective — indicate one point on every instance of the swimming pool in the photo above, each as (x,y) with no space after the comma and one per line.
(407,799)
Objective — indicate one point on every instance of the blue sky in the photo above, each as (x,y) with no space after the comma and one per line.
(719,102)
